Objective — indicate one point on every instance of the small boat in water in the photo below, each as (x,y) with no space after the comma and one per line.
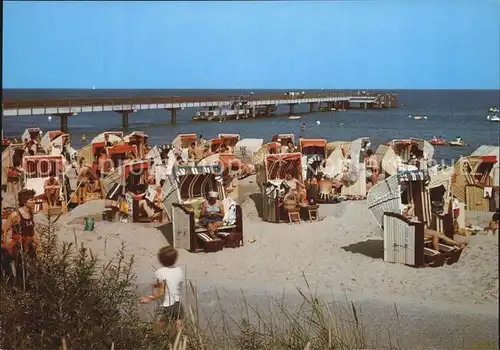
(437,141)
(494,109)
(294,117)
(493,118)
(417,117)
(458,142)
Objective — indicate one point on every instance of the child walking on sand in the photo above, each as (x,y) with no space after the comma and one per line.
(169,279)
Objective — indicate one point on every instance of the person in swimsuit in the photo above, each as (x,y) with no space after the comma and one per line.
(212,214)
(19,239)
(52,189)
(83,182)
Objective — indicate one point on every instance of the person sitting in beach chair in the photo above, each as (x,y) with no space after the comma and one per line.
(291,148)
(212,214)
(296,189)
(436,236)
(52,189)
(372,167)
(433,235)
(144,205)
(192,156)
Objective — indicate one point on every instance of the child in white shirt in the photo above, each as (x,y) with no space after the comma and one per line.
(169,279)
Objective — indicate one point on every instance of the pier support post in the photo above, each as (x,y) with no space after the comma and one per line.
(268,110)
(173,116)
(125,114)
(125,120)
(64,122)
(292,109)
(253,111)
(311,107)
(366,105)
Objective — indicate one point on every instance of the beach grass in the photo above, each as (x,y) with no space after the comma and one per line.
(70,300)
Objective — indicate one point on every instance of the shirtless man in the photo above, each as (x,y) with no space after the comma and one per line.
(52,188)
(104,164)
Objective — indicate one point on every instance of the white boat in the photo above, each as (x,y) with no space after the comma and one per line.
(417,117)
(493,118)
(222,114)
(458,142)
(494,110)
(294,117)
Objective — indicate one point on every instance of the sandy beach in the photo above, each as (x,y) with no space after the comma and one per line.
(342,258)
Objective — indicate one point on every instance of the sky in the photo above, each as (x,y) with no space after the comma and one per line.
(393,44)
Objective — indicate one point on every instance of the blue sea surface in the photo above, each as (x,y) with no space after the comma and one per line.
(450,113)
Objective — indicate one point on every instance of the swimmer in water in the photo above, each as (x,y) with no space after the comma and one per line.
(84,139)
(303,126)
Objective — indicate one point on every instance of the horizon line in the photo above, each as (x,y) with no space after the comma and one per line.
(286,89)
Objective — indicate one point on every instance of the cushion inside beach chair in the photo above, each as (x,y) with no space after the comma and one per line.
(431,252)
(206,238)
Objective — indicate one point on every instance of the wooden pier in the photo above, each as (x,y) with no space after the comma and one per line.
(125,106)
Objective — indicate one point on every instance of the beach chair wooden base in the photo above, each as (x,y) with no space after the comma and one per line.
(232,239)
(433,258)
(210,245)
(294,217)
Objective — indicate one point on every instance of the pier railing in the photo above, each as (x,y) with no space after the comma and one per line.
(85,102)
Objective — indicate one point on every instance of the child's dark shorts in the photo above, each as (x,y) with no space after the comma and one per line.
(171,313)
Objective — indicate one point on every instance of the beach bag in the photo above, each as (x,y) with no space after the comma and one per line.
(89,224)
(123,207)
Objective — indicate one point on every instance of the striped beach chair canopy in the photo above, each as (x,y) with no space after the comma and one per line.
(414,175)
(279,165)
(197,181)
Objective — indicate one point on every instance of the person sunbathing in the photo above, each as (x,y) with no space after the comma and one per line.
(492,228)
(52,189)
(436,236)
(212,214)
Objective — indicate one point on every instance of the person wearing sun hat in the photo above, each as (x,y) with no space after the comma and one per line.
(212,213)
